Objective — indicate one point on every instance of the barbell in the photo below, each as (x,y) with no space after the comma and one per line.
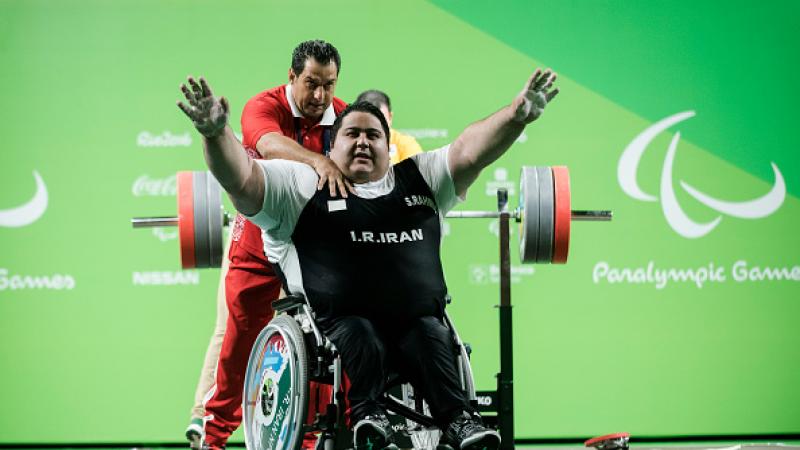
(200,220)
(544,215)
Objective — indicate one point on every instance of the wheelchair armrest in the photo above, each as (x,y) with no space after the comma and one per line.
(289,302)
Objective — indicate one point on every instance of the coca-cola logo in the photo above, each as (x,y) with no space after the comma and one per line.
(145,186)
(165,139)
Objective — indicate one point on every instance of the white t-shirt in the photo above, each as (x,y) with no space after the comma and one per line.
(289,186)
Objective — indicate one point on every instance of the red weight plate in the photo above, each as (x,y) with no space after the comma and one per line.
(591,442)
(563,214)
(186,219)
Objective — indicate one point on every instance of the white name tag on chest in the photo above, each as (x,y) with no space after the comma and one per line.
(337,205)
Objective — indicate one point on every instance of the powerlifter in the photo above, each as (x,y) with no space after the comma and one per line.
(390,224)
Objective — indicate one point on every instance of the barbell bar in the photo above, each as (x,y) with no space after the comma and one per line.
(579,216)
(544,214)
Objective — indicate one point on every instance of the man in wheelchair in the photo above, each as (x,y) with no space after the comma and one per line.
(368,263)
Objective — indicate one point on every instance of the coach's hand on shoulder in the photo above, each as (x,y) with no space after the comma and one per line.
(536,94)
(208,113)
(330,173)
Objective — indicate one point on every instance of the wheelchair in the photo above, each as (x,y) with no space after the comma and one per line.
(289,353)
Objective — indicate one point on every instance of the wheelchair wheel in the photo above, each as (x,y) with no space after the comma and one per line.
(275,400)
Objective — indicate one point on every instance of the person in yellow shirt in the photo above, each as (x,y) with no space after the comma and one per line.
(401,146)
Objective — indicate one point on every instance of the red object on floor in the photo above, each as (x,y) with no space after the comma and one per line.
(591,442)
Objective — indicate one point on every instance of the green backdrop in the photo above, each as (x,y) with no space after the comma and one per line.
(103,336)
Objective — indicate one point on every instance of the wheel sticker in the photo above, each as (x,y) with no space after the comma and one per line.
(270,400)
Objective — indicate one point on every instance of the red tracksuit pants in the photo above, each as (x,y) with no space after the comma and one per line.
(250,287)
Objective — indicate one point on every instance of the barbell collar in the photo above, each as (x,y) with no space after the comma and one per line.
(591,216)
(152,222)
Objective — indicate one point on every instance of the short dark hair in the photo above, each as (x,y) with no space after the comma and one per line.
(318,49)
(359,107)
(375,97)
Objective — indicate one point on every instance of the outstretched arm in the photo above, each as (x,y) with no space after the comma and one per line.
(481,143)
(226,158)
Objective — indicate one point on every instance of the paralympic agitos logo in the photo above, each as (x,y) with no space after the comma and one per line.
(677,219)
(28,212)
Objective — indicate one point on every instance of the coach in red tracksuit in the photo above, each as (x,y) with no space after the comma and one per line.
(287,122)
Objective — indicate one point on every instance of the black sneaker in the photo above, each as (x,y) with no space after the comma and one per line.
(372,433)
(468,433)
